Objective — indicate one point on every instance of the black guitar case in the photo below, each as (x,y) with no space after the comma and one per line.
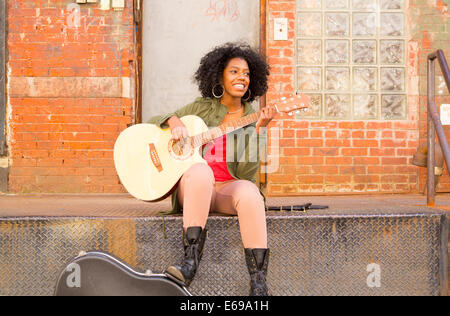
(100,274)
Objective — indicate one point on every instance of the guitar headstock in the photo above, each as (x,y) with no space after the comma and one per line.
(293,103)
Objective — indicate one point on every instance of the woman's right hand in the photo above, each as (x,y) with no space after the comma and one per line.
(177,128)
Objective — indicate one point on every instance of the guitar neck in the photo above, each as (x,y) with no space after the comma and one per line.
(225,128)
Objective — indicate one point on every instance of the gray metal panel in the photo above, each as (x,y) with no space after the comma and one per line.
(4,174)
(176,34)
(2,77)
(444,268)
(311,255)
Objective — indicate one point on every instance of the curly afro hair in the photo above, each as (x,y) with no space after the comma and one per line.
(213,64)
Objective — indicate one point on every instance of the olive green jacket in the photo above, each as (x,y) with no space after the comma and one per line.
(245,143)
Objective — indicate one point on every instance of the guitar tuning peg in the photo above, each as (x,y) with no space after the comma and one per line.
(290,114)
(297,112)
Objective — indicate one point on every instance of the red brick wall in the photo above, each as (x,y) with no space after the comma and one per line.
(69,94)
(353,156)
(431,32)
(71,91)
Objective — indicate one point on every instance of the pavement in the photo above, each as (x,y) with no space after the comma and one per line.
(124,205)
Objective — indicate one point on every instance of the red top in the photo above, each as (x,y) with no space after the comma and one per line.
(216,157)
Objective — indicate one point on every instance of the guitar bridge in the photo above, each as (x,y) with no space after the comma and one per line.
(155,158)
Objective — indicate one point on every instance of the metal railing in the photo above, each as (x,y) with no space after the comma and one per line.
(434,124)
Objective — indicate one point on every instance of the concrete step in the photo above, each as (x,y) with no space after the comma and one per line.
(379,251)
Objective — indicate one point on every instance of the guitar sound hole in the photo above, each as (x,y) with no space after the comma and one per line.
(181,149)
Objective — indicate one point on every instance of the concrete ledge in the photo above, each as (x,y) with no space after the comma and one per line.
(124,205)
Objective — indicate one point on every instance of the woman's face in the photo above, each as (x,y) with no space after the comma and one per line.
(236,78)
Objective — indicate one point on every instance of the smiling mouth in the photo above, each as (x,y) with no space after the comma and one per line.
(239,86)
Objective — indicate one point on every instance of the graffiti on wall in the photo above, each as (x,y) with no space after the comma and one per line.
(227,10)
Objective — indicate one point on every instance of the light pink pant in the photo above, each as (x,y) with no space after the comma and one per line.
(198,193)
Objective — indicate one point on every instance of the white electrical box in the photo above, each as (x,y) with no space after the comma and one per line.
(280,29)
(445,114)
(118,4)
(105,4)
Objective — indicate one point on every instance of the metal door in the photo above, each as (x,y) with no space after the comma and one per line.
(176,34)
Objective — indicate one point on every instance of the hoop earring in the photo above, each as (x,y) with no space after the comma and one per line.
(214,88)
(249,95)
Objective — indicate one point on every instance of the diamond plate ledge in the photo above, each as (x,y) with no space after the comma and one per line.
(327,254)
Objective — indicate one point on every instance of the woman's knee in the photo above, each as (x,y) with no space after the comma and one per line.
(248,196)
(200,172)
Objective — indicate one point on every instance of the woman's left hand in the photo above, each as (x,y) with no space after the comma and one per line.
(267,114)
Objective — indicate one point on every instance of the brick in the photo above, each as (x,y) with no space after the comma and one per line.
(325,151)
(292,151)
(393,161)
(337,179)
(325,169)
(295,124)
(338,142)
(287,142)
(310,179)
(65,87)
(366,179)
(352,170)
(351,125)
(338,160)
(393,143)
(282,178)
(309,142)
(354,151)
(282,6)
(366,160)
(310,160)
(58,82)
(364,143)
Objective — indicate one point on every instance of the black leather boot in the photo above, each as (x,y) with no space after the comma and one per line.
(257,263)
(193,241)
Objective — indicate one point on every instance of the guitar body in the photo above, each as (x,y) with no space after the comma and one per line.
(99,274)
(148,163)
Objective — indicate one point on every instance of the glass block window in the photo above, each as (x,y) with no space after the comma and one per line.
(351,59)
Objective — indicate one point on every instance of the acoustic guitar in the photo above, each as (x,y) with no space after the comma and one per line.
(150,163)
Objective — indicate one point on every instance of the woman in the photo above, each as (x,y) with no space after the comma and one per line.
(229,78)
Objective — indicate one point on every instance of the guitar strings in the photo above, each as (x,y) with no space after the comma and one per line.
(216,132)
